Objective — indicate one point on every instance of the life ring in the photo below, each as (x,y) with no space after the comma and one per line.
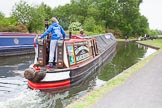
(16,41)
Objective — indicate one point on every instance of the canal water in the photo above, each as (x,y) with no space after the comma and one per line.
(14,92)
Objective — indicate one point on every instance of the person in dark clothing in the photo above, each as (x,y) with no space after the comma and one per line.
(82,32)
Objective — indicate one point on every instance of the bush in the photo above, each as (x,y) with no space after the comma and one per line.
(89,24)
(18,28)
(21,28)
(116,32)
(99,29)
(75,26)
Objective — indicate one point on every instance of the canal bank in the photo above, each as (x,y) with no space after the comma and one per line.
(137,85)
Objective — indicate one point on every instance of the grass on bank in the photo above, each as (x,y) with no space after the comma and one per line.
(155,42)
(92,97)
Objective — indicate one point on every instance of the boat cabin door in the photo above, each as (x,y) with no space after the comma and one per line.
(43,52)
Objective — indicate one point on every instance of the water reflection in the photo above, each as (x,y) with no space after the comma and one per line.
(14,92)
(126,56)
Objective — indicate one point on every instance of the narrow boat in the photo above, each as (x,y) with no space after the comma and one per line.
(16,43)
(78,57)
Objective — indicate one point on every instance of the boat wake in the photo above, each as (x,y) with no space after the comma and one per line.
(34,99)
(14,93)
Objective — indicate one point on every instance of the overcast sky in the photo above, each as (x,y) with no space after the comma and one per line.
(7,5)
(149,8)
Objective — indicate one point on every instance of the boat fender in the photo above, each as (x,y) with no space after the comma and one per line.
(38,76)
(29,73)
(34,76)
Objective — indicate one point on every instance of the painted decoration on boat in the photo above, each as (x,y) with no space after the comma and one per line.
(81,50)
(71,54)
(81,53)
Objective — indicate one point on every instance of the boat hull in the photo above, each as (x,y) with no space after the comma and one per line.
(49,85)
(75,75)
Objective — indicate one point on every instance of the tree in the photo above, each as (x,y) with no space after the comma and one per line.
(140,26)
(89,24)
(120,16)
(2,18)
(22,12)
(64,15)
(32,17)
(153,33)
(38,15)
(75,26)
(129,10)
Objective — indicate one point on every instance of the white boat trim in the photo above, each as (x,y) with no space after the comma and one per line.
(57,76)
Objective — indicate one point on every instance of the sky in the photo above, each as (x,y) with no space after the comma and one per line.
(7,5)
(149,8)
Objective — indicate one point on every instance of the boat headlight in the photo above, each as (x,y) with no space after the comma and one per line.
(60,64)
(40,51)
(40,62)
(60,52)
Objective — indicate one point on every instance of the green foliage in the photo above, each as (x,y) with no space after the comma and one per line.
(6,21)
(153,33)
(99,29)
(21,28)
(2,15)
(18,28)
(121,17)
(75,26)
(37,24)
(10,25)
(116,32)
(87,33)
(22,12)
(32,17)
(89,24)
(159,32)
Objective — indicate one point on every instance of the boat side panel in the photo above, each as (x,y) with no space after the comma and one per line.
(16,44)
(80,73)
(11,41)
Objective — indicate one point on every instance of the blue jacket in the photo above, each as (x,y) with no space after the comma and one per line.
(56,31)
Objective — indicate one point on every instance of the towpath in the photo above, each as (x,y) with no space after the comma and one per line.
(141,90)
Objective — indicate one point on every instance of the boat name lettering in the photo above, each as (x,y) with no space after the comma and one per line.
(81,57)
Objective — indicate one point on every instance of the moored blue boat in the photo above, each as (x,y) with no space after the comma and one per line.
(16,43)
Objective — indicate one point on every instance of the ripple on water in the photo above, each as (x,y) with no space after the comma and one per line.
(33,99)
